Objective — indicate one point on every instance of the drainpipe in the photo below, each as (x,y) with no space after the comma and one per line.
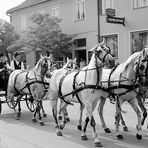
(99,2)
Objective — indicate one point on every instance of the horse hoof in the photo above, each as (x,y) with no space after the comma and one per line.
(125,129)
(41,123)
(107,130)
(61,127)
(79,127)
(120,137)
(45,115)
(60,117)
(34,120)
(17,117)
(59,133)
(98,144)
(68,119)
(139,137)
(19,114)
(84,137)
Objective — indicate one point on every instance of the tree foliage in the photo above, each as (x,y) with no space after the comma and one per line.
(46,34)
(7,36)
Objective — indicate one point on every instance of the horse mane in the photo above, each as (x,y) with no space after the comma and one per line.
(130,60)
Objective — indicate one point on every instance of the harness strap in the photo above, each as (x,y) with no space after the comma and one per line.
(60,87)
(74,88)
(113,69)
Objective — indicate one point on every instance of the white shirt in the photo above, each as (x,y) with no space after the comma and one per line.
(17,62)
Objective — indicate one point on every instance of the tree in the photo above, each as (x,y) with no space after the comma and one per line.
(7,36)
(46,35)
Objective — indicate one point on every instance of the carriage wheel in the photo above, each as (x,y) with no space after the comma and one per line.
(10,103)
(30,103)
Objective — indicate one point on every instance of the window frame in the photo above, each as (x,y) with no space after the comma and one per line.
(55,8)
(75,13)
(135,6)
(131,40)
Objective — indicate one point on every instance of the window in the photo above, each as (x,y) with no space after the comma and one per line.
(80,42)
(55,11)
(139,41)
(140,3)
(79,9)
(23,23)
(106,4)
(112,43)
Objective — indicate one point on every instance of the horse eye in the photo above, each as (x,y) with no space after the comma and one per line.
(141,67)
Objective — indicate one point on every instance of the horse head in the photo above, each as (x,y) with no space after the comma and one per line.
(141,67)
(103,53)
(70,64)
(44,65)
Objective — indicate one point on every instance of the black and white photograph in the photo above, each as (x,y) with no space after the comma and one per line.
(73,73)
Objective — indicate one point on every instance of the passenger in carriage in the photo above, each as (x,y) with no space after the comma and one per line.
(17,63)
(5,70)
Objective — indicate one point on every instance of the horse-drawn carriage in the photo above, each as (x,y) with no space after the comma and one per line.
(20,85)
(30,103)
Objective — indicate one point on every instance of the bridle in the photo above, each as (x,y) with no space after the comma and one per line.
(45,68)
(145,74)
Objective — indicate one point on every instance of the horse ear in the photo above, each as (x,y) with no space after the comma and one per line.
(67,59)
(41,56)
(75,60)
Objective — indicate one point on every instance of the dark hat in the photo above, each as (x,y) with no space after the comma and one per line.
(16,54)
(1,55)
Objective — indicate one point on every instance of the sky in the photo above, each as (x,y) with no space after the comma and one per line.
(6,5)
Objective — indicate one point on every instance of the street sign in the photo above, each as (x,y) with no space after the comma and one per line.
(116,20)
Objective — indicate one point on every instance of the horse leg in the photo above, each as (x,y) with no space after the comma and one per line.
(100,111)
(83,135)
(60,110)
(63,111)
(134,105)
(79,126)
(117,119)
(53,103)
(19,106)
(43,111)
(89,110)
(66,115)
(39,113)
(142,107)
(125,128)
(35,112)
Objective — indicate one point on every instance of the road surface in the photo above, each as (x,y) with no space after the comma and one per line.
(25,134)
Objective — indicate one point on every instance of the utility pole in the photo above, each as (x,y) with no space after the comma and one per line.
(99,2)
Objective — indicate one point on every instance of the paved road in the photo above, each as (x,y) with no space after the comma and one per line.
(25,134)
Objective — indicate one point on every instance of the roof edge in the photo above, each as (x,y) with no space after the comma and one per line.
(19,8)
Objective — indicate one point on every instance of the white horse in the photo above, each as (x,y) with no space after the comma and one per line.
(125,81)
(72,86)
(29,82)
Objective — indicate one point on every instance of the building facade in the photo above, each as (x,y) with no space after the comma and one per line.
(124,40)
(79,17)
